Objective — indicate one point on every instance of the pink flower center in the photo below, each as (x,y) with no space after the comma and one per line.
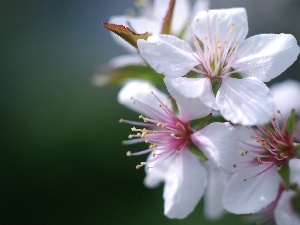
(274,146)
(166,134)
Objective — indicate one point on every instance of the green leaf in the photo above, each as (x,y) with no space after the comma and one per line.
(290,122)
(284,172)
(217,119)
(117,76)
(174,105)
(296,203)
(216,84)
(297,151)
(125,33)
(196,151)
(166,27)
(200,123)
(192,74)
(236,75)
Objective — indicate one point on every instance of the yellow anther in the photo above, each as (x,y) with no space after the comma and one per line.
(121,120)
(258,159)
(245,153)
(140,165)
(278,168)
(153,146)
(144,118)
(128,153)
(144,133)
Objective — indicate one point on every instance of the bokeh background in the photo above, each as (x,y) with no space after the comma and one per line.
(61,158)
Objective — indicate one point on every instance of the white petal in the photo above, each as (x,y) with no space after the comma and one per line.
(184,185)
(230,25)
(246,101)
(189,107)
(156,175)
(213,208)
(141,91)
(252,195)
(283,213)
(295,171)
(266,56)
(245,139)
(218,142)
(286,96)
(193,88)
(168,55)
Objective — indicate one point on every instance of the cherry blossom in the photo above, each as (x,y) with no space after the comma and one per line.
(231,69)
(262,152)
(170,136)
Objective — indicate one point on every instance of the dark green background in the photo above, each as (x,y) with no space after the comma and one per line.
(61,159)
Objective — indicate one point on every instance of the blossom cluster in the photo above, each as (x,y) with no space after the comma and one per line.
(212,127)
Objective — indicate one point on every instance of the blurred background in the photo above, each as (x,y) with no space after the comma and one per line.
(61,158)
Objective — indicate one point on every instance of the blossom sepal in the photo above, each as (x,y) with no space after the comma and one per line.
(284,172)
(126,33)
(290,122)
(198,124)
(296,203)
(297,151)
(166,28)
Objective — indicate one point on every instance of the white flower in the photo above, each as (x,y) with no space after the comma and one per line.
(169,136)
(222,53)
(256,182)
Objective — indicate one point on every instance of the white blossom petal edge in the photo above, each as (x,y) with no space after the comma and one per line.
(185,182)
(218,142)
